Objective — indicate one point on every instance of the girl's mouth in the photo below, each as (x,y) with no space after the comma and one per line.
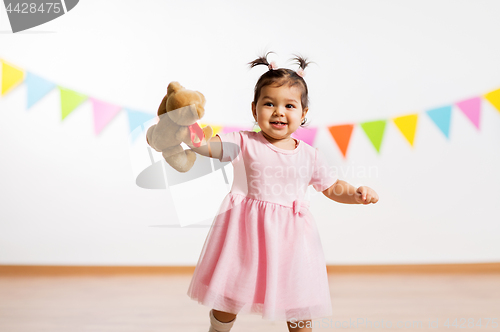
(278,124)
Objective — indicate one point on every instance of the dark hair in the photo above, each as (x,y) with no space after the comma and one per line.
(280,77)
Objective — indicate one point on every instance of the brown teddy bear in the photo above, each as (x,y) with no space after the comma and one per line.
(178,112)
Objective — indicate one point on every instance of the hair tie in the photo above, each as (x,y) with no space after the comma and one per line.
(272,66)
(301,72)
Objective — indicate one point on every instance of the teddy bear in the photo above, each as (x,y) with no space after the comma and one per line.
(178,112)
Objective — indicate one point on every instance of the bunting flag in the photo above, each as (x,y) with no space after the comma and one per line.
(442,118)
(472,109)
(407,124)
(136,119)
(342,135)
(375,132)
(70,100)
(306,134)
(37,88)
(494,98)
(103,112)
(11,77)
(228,129)
(215,129)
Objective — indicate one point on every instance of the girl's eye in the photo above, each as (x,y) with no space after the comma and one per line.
(268,104)
(290,106)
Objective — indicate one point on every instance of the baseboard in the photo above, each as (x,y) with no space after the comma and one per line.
(33,270)
(465,268)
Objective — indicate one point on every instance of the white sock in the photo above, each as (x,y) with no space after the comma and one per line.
(218,326)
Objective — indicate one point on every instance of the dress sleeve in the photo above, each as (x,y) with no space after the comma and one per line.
(323,175)
(231,145)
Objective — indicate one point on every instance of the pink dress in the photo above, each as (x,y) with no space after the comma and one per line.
(263,254)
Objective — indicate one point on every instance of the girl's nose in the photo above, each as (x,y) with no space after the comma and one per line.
(278,111)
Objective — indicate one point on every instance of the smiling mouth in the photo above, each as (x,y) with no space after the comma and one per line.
(278,122)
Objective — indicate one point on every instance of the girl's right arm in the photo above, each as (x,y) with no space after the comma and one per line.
(215,148)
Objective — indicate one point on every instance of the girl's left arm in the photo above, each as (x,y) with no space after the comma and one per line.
(343,192)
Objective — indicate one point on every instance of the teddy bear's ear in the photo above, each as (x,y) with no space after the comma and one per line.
(162,109)
(173,87)
(203,100)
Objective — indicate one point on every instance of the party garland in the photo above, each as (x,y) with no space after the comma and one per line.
(103,112)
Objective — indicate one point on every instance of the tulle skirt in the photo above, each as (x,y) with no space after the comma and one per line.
(262,258)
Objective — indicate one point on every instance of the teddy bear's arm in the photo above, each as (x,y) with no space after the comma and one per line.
(215,147)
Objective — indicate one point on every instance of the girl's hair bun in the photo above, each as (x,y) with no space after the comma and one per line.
(301,61)
(262,60)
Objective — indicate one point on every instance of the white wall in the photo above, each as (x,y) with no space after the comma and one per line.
(68,196)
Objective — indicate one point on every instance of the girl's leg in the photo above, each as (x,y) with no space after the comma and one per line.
(299,326)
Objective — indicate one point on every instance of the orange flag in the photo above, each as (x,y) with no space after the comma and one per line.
(342,135)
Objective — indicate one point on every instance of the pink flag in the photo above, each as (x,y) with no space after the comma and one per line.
(230,129)
(472,109)
(305,134)
(103,113)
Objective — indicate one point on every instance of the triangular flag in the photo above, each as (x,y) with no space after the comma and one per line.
(137,118)
(70,100)
(135,134)
(375,132)
(472,109)
(103,113)
(215,129)
(11,77)
(342,135)
(441,117)
(37,88)
(306,134)
(228,129)
(407,124)
(494,98)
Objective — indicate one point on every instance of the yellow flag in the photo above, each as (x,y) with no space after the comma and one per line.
(494,98)
(215,129)
(407,124)
(11,77)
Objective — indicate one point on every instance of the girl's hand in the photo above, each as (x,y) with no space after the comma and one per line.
(190,143)
(365,195)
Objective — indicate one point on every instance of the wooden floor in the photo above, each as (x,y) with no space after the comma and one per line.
(138,303)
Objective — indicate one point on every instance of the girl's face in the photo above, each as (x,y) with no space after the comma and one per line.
(279,104)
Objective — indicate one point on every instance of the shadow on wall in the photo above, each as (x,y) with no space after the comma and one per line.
(193,204)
